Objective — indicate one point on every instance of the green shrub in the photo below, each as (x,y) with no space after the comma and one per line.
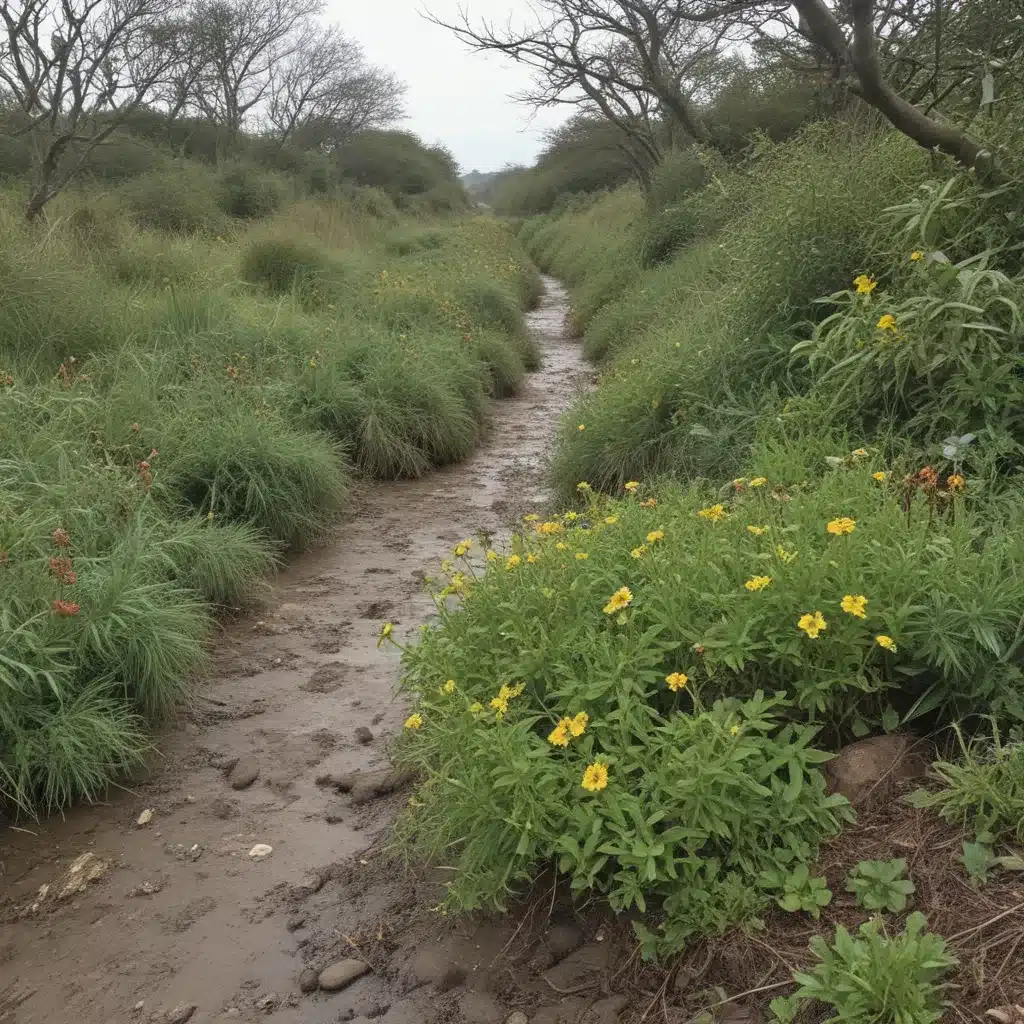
(880,885)
(181,199)
(248,193)
(875,976)
(282,265)
(490,306)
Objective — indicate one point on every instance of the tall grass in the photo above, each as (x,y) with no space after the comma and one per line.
(191,372)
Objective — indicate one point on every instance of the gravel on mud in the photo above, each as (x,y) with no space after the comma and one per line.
(291,700)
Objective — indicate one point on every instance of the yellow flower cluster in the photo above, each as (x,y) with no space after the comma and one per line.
(714,513)
(548,528)
(842,525)
(655,535)
(512,561)
(756,583)
(812,624)
(595,778)
(757,531)
(677,681)
(622,598)
(499,704)
(632,486)
(639,552)
(865,285)
(414,721)
(855,605)
(462,548)
(568,728)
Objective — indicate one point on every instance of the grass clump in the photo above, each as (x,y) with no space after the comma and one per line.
(282,265)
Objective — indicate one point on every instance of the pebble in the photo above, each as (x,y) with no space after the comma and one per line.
(261,850)
(140,1005)
(309,980)
(563,939)
(244,774)
(344,972)
(145,817)
(363,734)
(180,1014)
(517,1018)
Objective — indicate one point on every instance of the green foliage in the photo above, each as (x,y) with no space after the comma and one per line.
(181,199)
(877,977)
(395,161)
(880,885)
(799,889)
(249,193)
(984,789)
(282,265)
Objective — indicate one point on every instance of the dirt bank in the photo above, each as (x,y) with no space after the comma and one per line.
(179,914)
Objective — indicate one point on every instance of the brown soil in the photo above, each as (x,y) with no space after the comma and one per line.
(173,920)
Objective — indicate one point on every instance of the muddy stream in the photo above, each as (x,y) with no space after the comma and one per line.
(174,920)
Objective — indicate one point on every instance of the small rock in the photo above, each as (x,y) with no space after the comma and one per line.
(363,734)
(180,1014)
(309,980)
(140,1005)
(244,774)
(873,768)
(344,972)
(145,817)
(146,889)
(563,939)
(295,923)
(453,977)
(223,762)
(261,850)
(268,1004)
(516,1018)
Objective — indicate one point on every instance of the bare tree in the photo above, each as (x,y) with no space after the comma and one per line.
(325,92)
(635,62)
(74,70)
(241,41)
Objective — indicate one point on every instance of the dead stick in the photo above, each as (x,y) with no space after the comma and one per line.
(985,924)
(741,995)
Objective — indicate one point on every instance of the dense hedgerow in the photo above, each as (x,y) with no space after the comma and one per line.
(182,398)
(635,690)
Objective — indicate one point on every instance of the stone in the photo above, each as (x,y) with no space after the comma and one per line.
(344,972)
(244,774)
(479,1008)
(580,967)
(145,817)
(84,870)
(223,762)
(605,1011)
(872,769)
(516,1018)
(428,966)
(363,734)
(261,850)
(563,939)
(180,1014)
(309,980)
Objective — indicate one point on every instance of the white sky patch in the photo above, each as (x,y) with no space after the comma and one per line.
(455,97)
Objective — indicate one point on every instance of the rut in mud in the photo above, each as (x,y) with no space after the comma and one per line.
(179,914)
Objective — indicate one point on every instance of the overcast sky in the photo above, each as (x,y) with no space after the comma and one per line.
(455,97)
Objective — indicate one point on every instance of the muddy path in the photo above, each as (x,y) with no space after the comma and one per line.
(176,913)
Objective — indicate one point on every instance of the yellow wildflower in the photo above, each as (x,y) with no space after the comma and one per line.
(462,548)
(887,322)
(385,633)
(759,481)
(512,561)
(632,485)
(559,736)
(886,641)
(499,704)
(756,583)
(476,707)
(581,556)
(622,598)
(414,721)
(714,513)
(865,285)
(860,453)
(649,503)
(812,624)
(578,723)
(757,531)
(917,255)
(449,686)
(639,552)
(492,555)
(655,535)
(739,482)
(582,427)
(570,517)
(879,476)
(583,486)
(611,520)
(734,730)
(595,778)
(561,546)
(855,605)
(677,681)
(548,528)
(844,524)
(956,482)
(531,558)
(532,517)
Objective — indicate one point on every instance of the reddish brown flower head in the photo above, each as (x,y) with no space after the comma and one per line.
(143,466)
(699,648)
(61,538)
(153,454)
(136,427)
(61,568)
(66,608)
(928,477)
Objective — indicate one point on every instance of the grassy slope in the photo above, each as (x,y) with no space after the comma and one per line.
(184,407)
